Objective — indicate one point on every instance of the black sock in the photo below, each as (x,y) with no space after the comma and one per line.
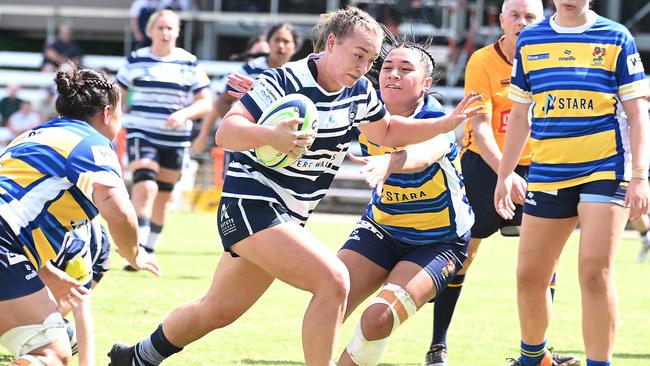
(154,349)
(443,309)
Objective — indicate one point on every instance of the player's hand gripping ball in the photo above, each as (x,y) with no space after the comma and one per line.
(287,107)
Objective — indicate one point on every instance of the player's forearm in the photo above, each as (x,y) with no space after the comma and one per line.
(201,105)
(421,156)
(83,320)
(637,116)
(403,131)
(239,134)
(516,137)
(115,207)
(488,146)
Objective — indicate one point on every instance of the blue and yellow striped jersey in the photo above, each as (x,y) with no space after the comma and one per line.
(576,79)
(46,184)
(424,207)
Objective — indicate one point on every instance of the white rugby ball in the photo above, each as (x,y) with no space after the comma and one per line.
(288,107)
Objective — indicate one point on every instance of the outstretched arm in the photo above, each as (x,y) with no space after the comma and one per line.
(401,131)
(414,158)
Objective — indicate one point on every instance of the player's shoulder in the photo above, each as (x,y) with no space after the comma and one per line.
(611,28)
(181,54)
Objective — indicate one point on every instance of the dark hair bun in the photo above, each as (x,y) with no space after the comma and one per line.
(66,83)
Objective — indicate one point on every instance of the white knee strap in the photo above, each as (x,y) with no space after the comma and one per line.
(29,360)
(399,302)
(364,352)
(24,339)
(368,353)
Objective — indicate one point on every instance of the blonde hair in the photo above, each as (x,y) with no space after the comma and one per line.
(155,16)
(341,23)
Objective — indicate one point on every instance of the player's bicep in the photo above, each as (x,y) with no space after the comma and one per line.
(240,110)
(375,131)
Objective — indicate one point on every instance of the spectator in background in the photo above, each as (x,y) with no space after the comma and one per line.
(24,119)
(45,106)
(9,104)
(141,10)
(176,5)
(60,50)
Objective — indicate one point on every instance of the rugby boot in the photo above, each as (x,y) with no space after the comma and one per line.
(121,355)
(436,356)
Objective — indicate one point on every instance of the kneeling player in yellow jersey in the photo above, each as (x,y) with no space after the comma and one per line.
(55,179)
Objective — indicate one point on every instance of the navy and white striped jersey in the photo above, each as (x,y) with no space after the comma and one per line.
(300,186)
(157,88)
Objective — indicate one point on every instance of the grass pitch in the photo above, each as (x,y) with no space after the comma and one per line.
(484,331)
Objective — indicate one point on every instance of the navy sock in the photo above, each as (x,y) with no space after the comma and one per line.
(443,309)
(154,349)
(531,355)
(598,363)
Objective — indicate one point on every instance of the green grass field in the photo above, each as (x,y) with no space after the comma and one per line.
(484,332)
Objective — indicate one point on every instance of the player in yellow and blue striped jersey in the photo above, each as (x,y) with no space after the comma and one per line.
(55,179)
(575,71)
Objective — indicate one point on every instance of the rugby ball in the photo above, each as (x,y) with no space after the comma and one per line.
(288,107)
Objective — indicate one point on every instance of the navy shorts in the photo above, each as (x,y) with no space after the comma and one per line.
(167,157)
(239,218)
(18,277)
(480,182)
(563,203)
(441,260)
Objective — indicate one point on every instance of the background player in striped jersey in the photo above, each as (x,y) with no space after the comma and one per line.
(57,178)
(413,237)
(166,89)
(589,165)
(262,210)
(282,39)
